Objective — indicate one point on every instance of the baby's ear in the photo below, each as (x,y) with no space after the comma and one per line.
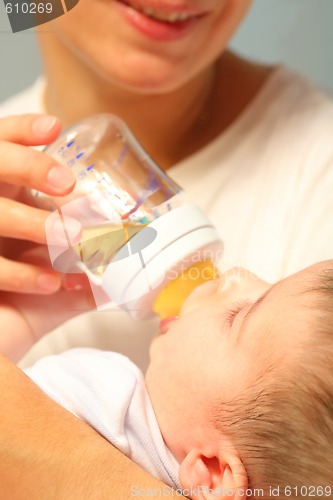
(213,477)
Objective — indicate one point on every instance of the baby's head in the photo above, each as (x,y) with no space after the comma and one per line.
(242,386)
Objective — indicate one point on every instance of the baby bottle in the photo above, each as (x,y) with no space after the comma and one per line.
(141,243)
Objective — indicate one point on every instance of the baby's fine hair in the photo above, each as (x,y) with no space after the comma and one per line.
(282,427)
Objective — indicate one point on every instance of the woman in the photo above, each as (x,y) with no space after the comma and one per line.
(250,144)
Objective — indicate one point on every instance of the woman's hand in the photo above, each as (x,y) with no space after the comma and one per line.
(23,167)
(32,301)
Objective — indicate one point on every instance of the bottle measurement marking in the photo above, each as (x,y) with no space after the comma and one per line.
(72,161)
(116,164)
(121,156)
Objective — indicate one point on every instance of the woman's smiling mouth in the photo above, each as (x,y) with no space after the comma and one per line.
(173,16)
(160,21)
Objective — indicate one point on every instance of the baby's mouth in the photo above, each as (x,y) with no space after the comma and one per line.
(165,323)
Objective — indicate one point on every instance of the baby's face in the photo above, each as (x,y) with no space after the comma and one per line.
(228,332)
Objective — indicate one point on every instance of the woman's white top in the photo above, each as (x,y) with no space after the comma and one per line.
(107,391)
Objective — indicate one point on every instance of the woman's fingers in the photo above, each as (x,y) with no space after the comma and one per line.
(22,222)
(27,167)
(28,223)
(29,130)
(27,278)
(23,167)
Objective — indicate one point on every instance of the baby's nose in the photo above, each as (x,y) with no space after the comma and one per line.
(199,294)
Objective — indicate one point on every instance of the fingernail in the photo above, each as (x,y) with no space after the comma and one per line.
(43,124)
(69,285)
(60,178)
(48,282)
(75,282)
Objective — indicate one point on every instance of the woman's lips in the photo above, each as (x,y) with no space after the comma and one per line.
(154,28)
(165,323)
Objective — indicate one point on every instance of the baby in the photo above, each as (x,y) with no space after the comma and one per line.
(238,398)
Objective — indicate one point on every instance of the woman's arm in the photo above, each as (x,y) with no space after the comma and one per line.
(46,452)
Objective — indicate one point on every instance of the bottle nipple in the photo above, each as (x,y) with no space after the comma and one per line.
(169,301)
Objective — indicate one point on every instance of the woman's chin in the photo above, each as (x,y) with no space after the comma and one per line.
(145,84)
(143,78)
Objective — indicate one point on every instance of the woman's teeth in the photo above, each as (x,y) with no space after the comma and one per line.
(170,17)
